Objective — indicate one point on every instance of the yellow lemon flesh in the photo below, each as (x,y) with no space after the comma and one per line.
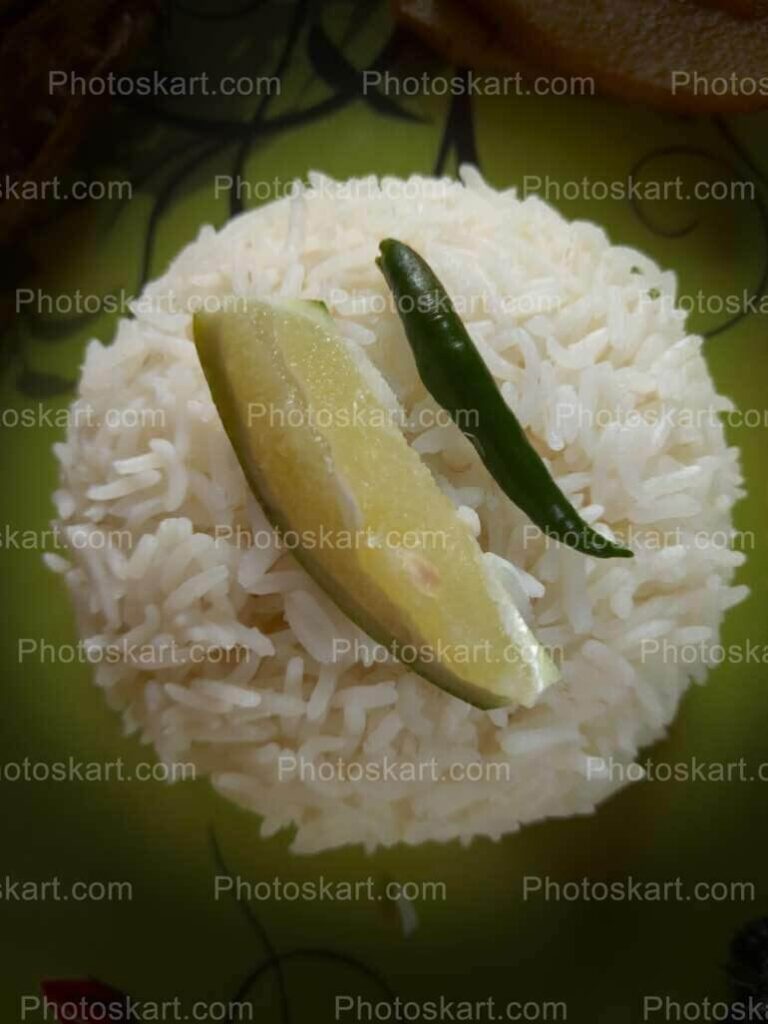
(317,432)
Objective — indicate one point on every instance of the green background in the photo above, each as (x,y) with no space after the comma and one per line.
(173,938)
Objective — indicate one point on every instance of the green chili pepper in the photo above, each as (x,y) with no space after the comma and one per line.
(454,373)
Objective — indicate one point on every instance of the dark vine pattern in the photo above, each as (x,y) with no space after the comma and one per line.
(274,961)
(91,991)
(192,140)
(761,285)
(746,972)
(459,132)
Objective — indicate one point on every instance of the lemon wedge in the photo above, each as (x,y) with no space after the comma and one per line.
(318,434)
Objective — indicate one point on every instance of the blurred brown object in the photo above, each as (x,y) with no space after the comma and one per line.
(738,8)
(669,53)
(461,35)
(40,128)
(692,56)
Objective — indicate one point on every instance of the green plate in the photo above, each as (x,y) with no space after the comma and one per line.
(173,938)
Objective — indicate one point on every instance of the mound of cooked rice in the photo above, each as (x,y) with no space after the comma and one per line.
(217,647)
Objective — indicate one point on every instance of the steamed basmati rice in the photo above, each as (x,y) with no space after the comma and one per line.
(242,674)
